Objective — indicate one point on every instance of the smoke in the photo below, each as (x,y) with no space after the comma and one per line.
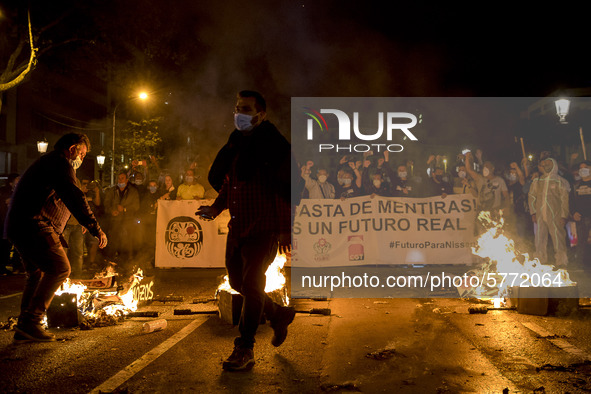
(284,50)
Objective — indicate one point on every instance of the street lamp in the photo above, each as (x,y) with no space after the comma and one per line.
(562,107)
(141,96)
(42,146)
(100,159)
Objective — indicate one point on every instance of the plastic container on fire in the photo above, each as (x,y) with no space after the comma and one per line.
(154,325)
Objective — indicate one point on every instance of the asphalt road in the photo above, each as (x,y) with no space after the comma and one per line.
(368,345)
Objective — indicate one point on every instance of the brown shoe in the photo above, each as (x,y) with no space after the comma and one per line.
(279,323)
(33,332)
(241,359)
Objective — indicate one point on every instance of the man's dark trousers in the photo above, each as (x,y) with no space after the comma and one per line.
(247,260)
(47,266)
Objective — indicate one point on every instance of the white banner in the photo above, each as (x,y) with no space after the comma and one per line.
(183,240)
(384,231)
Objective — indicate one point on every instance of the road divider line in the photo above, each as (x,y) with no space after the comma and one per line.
(126,373)
(10,296)
(558,342)
(542,332)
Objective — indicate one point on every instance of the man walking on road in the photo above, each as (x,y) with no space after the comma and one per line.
(43,200)
(254,171)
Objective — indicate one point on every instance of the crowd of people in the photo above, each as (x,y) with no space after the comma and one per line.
(539,200)
(126,211)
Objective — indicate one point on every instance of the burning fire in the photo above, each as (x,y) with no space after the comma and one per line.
(504,259)
(95,304)
(275,279)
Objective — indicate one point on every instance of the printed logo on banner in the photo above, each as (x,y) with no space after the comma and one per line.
(183,237)
(356,249)
(322,247)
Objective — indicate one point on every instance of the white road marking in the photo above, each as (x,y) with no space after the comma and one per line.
(558,342)
(10,296)
(542,332)
(126,373)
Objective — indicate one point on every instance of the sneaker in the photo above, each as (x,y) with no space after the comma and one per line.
(20,338)
(34,332)
(241,359)
(279,323)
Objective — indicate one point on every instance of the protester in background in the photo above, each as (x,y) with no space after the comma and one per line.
(8,255)
(549,207)
(437,186)
(38,212)
(92,191)
(74,236)
(190,189)
(463,182)
(146,234)
(402,185)
(581,209)
(492,189)
(121,205)
(349,182)
(254,171)
(138,182)
(168,191)
(319,187)
(520,220)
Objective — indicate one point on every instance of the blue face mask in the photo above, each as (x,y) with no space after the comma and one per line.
(122,185)
(243,122)
(152,189)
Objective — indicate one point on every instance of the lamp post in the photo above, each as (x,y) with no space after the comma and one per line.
(42,146)
(141,96)
(100,159)
(562,109)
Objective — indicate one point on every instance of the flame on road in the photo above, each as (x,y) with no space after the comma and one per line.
(502,259)
(96,303)
(275,278)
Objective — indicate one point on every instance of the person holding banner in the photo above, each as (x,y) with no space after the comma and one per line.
(253,171)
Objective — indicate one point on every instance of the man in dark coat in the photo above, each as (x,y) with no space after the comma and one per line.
(253,171)
(41,205)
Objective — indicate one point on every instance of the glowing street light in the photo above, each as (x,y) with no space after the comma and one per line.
(141,96)
(562,107)
(42,146)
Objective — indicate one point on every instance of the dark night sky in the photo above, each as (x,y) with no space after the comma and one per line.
(204,52)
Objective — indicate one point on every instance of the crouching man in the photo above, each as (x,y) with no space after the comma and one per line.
(41,205)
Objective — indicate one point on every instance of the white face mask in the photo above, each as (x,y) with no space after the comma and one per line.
(321,178)
(153,189)
(77,162)
(512,177)
(243,122)
(122,185)
(402,174)
(462,174)
(189,179)
(377,183)
(584,172)
(486,171)
(139,182)
(346,181)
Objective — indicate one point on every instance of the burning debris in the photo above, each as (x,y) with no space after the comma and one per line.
(97,302)
(230,301)
(505,268)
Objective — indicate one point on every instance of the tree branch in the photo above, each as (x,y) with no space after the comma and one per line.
(30,65)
